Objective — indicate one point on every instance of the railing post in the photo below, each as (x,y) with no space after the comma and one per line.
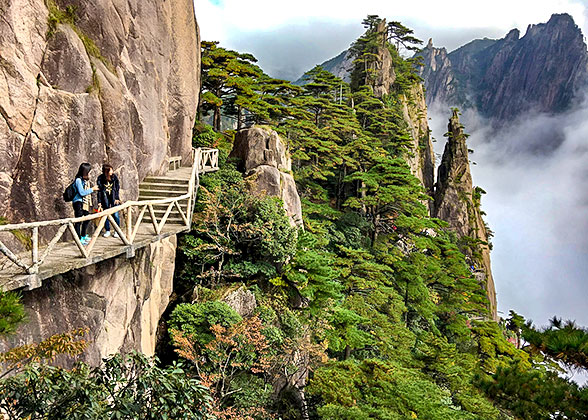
(35,250)
(129,222)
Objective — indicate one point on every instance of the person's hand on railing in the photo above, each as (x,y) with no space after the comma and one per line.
(117,202)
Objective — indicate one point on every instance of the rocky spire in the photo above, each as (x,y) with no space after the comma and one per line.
(457,202)
(382,76)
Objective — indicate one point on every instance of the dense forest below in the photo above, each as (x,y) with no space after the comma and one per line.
(369,310)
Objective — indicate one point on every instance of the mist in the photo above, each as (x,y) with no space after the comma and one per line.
(534,171)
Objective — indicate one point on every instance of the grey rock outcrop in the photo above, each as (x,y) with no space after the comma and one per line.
(264,159)
(456,203)
(119,300)
(242,301)
(546,70)
(380,73)
(340,66)
(120,84)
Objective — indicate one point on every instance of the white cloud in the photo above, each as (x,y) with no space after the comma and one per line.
(290,38)
(537,205)
(225,19)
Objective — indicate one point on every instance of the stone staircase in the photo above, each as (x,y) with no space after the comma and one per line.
(157,187)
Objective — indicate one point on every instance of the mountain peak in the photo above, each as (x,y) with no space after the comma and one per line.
(513,35)
(561,18)
(546,70)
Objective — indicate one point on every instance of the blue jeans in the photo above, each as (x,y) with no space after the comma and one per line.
(116,219)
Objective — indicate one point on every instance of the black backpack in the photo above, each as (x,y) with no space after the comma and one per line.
(70,192)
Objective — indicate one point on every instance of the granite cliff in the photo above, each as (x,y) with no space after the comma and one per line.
(119,301)
(90,82)
(264,159)
(545,71)
(97,81)
(458,202)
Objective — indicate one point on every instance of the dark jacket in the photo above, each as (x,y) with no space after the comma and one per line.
(108,192)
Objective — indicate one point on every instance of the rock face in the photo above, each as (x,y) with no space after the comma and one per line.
(340,66)
(97,81)
(119,300)
(421,157)
(242,301)
(264,159)
(458,203)
(380,73)
(543,71)
(107,80)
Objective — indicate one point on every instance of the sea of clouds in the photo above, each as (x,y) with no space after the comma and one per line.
(535,171)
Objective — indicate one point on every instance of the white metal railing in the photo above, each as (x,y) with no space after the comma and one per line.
(175,162)
(205,159)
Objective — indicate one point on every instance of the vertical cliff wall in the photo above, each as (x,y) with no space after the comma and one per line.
(103,80)
(458,203)
(421,157)
(95,81)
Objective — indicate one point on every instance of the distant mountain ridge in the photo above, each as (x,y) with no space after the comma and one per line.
(546,70)
(340,65)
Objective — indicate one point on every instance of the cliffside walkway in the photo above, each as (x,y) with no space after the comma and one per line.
(164,208)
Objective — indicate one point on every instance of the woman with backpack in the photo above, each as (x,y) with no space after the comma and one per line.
(82,201)
(108,194)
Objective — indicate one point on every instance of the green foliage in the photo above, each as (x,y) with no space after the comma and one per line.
(563,341)
(233,84)
(376,296)
(12,312)
(376,389)
(238,235)
(531,394)
(129,387)
(196,319)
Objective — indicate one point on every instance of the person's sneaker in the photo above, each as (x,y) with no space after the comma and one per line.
(115,235)
(85,240)
(107,234)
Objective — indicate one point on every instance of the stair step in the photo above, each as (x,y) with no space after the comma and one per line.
(161,193)
(169,219)
(163,206)
(166,180)
(156,186)
(161,212)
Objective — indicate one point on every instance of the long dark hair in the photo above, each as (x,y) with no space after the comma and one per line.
(106,169)
(84,171)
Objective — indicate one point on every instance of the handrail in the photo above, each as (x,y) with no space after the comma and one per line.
(111,210)
(204,159)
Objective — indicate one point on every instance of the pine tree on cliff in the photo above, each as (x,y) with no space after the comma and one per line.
(234,86)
